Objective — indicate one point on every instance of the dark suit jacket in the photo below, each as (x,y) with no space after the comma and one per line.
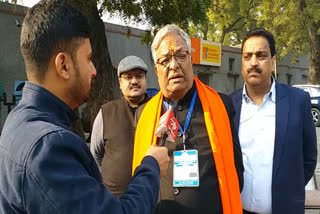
(295,149)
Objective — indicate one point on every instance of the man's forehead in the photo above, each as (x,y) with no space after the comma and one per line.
(172,42)
(256,44)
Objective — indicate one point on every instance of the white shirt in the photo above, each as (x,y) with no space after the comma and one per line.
(256,135)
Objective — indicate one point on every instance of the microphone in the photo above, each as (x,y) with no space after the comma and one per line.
(168,125)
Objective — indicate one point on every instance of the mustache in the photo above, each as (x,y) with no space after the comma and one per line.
(256,69)
(136,85)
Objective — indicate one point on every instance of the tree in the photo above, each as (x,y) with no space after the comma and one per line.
(296,27)
(294,23)
(227,21)
(158,13)
(103,84)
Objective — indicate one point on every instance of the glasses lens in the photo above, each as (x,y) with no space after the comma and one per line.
(180,57)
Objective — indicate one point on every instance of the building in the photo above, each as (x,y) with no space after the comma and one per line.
(123,41)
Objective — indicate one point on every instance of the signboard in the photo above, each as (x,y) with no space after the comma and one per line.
(195,50)
(204,52)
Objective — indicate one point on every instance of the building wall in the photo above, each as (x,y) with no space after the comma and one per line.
(123,41)
(11,62)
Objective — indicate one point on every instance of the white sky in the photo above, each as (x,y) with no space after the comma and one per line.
(106,18)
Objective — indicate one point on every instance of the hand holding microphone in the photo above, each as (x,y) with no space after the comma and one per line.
(168,125)
(162,157)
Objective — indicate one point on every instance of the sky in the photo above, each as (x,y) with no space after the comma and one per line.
(106,18)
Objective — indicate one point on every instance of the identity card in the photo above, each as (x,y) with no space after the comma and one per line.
(185,168)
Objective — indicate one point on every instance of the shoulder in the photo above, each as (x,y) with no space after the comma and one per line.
(227,103)
(114,103)
(225,99)
(114,107)
(236,94)
(283,89)
(59,144)
(139,111)
(23,130)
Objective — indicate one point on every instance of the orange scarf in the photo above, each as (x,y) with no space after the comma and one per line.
(219,133)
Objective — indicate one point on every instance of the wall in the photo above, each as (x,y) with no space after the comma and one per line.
(123,41)
(11,62)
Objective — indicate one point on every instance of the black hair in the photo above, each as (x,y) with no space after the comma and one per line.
(264,33)
(51,26)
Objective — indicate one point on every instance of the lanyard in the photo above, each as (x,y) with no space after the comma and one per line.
(186,123)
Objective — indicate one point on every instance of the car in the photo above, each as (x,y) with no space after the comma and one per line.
(314,91)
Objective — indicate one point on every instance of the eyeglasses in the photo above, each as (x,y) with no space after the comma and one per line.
(129,77)
(180,58)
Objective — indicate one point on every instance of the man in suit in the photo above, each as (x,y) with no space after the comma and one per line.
(276,133)
(212,180)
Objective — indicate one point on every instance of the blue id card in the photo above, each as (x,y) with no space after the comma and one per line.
(185,168)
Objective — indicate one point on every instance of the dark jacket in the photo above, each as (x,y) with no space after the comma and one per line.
(118,136)
(45,168)
(205,198)
(295,148)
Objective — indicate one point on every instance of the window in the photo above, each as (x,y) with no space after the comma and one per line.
(304,79)
(289,78)
(231,65)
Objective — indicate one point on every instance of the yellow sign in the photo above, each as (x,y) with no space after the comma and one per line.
(211,53)
(205,52)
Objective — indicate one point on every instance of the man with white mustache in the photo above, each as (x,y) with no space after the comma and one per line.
(205,168)
(112,132)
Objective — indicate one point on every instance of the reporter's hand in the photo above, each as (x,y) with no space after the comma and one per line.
(161,155)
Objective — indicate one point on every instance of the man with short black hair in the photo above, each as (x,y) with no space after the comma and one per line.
(113,133)
(276,133)
(44,167)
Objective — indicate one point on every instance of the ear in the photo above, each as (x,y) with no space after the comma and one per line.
(63,64)
(273,62)
(119,79)
(156,69)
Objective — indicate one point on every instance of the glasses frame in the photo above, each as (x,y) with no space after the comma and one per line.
(166,63)
(129,78)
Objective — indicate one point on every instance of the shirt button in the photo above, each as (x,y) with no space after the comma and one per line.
(179,108)
(179,134)
(176,191)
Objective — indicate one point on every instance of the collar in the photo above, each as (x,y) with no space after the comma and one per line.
(271,94)
(47,102)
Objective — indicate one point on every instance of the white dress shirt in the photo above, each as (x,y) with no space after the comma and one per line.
(257,135)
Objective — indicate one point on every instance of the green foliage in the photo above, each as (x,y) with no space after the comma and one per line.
(227,21)
(161,12)
(289,20)
(283,19)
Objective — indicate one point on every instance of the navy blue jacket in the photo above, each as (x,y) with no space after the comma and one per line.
(295,148)
(46,168)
